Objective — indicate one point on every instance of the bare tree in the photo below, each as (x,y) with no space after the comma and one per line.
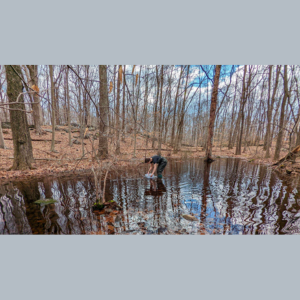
(123,105)
(36,106)
(23,156)
(118,110)
(175,107)
(2,145)
(166,103)
(242,105)
(270,109)
(68,106)
(213,107)
(160,109)
(104,106)
(283,104)
(53,108)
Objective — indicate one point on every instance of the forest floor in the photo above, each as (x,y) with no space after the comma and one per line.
(68,160)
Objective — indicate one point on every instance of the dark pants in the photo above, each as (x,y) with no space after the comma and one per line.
(162,164)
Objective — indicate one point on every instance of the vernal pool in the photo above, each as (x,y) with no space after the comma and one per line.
(228,196)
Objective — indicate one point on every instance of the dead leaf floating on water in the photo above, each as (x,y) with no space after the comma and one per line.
(189,218)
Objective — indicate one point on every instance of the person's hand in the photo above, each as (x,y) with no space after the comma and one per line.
(152,174)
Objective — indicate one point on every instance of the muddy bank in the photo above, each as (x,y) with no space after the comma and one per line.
(288,168)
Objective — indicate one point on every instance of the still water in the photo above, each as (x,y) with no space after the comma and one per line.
(229,196)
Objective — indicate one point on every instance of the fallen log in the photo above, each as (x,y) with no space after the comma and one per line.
(155,149)
(51,154)
(187,145)
(168,150)
(290,155)
(56,159)
(36,140)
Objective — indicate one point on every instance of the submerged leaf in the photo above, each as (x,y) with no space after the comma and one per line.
(45,201)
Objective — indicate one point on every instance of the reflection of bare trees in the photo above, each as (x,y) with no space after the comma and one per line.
(49,212)
(230,177)
(282,211)
(157,188)
(30,193)
(230,196)
(205,192)
(12,211)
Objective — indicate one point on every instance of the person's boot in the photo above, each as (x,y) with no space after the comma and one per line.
(159,176)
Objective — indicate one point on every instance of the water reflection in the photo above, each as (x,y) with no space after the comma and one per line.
(229,196)
(157,188)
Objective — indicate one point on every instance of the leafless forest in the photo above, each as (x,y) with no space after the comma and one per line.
(204,107)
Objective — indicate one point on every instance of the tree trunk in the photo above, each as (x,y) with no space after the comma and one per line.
(53,108)
(160,110)
(118,112)
(281,121)
(230,142)
(86,106)
(56,103)
(2,100)
(146,109)
(103,131)
(175,108)
(243,101)
(181,114)
(213,107)
(298,138)
(270,110)
(123,106)
(135,112)
(36,106)
(155,110)
(268,104)
(68,103)
(2,145)
(23,156)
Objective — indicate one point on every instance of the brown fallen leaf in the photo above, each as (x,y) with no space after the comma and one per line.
(110,227)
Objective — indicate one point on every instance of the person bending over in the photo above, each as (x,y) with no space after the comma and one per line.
(157,163)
